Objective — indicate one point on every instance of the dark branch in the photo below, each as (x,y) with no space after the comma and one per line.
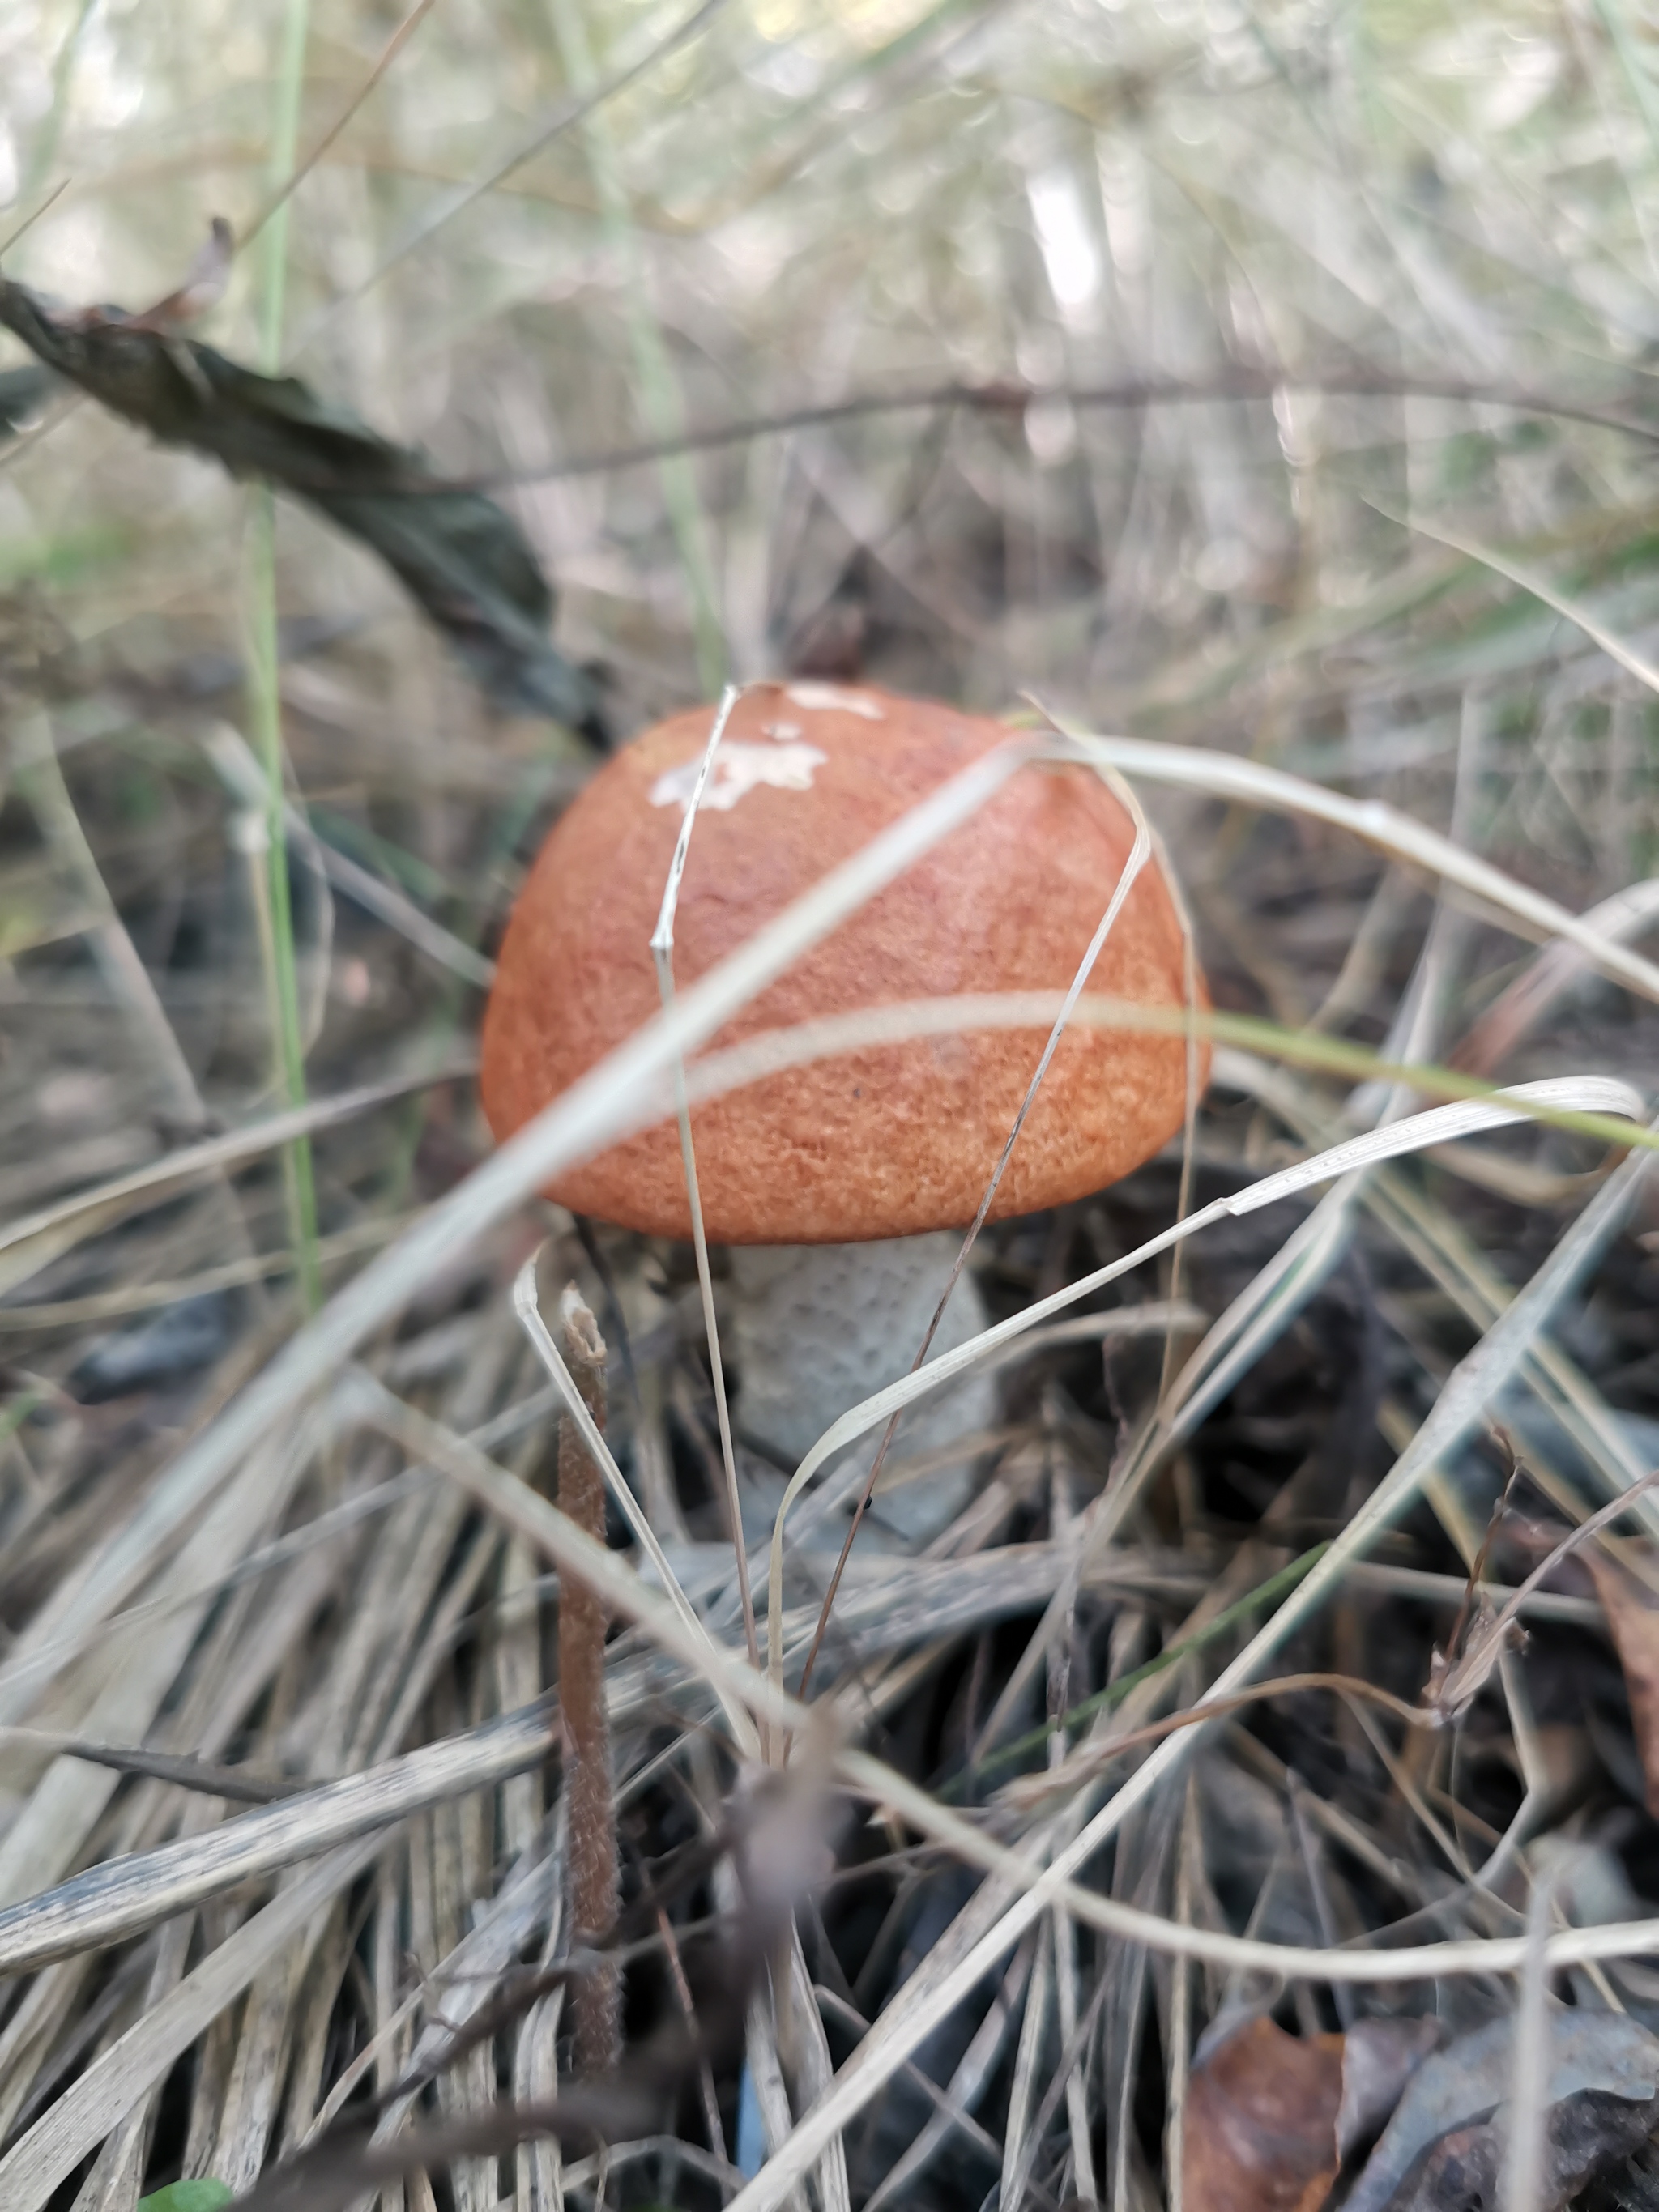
(1011,398)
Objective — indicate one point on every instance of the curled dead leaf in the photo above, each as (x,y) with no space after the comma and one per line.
(1272,2118)
(461,556)
(1260,2127)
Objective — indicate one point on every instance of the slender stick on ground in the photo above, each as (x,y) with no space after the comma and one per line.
(594,1881)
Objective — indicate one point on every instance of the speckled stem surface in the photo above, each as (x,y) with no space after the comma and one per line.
(594,1881)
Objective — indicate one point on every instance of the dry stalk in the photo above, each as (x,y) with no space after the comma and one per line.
(593,1879)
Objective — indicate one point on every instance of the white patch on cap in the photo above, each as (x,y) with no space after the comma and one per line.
(830,699)
(739,768)
(785,733)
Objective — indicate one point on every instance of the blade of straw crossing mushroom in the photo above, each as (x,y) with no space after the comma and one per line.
(1439,1123)
(662,953)
(1139,854)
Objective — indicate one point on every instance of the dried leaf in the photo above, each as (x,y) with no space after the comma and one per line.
(1260,2131)
(22,391)
(461,556)
(1632,1614)
(1588,2134)
(1379,2057)
(1451,2097)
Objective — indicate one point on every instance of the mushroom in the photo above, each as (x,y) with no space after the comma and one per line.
(837,1184)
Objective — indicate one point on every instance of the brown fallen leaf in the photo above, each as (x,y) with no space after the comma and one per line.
(1260,2127)
(1272,2118)
(1632,1614)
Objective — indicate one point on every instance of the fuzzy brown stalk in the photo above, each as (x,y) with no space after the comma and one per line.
(593,1879)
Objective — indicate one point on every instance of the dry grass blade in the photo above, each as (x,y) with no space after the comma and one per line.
(198,1774)
(1458,1678)
(1250,784)
(1524,1003)
(1132,395)
(389,1410)
(1614,646)
(566,117)
(1140,853)
(297,175)
(233,759)
(121,1898)
(50,2150)
(39,1237)
(517,1506)
(1523,2171)
(662,954)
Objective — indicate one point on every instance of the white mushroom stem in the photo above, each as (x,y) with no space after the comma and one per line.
(817,1327)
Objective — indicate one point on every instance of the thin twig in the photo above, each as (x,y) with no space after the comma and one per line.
(298,174)
(1061,1780)
(1008,398)
(1453,1685)
(29,221)
(569,112)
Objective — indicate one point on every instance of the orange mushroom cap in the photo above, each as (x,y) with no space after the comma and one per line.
(882,1142)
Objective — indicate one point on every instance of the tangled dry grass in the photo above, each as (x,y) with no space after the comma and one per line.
(1261,394)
